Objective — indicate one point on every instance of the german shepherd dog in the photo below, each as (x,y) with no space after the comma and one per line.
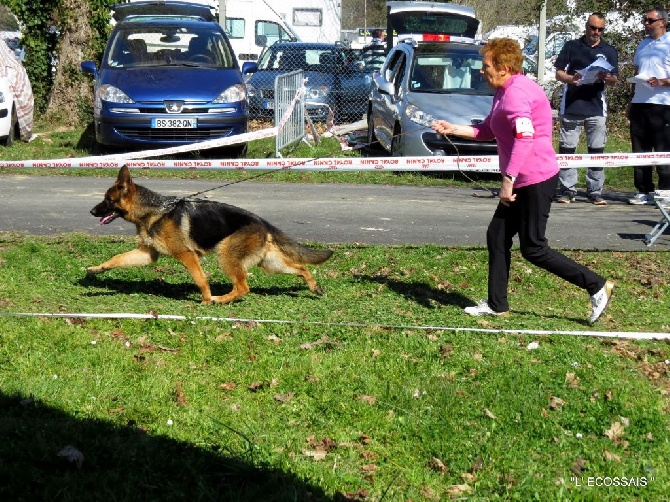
(187,229)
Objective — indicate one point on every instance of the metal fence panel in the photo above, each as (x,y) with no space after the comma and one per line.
(287,87)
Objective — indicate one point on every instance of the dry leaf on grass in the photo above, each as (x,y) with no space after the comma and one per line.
(368,399)
(488,413)
(456,490)
(180,396)
(579,466)
(572,380)
(284,398)
(228,386)
(555,403)
(615,432)
(611,456)
(437,465)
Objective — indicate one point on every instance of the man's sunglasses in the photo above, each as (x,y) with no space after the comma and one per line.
(597,28)
(648,20)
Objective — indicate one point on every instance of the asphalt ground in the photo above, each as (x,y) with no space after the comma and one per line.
(335,213)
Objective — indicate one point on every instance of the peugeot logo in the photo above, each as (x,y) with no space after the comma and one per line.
(174,106)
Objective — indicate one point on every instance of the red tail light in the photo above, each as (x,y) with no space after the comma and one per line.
(436,37)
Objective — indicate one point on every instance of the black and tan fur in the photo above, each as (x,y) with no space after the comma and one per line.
(187,229)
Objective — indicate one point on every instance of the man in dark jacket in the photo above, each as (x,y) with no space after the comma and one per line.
(583,104)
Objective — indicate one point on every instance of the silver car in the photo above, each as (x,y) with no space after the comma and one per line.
(421,81)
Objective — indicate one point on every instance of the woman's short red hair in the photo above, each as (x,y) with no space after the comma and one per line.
(505,52)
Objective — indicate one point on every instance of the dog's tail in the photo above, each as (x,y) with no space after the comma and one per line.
(299,252)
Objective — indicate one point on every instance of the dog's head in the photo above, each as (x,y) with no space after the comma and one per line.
(118,199)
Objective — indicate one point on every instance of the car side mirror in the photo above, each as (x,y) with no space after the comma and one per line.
(89,67)
(384,86)
(249,67)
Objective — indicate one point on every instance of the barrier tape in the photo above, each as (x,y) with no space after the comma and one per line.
(635,335)
(483,163)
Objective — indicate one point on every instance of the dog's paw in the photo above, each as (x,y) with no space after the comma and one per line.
(317,290)
(93,270)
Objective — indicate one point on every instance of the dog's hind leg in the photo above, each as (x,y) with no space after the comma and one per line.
(276,262)
(135,258)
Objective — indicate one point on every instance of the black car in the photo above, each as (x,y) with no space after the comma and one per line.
(336,80)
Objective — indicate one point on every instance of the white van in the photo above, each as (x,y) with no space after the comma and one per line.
(252,25)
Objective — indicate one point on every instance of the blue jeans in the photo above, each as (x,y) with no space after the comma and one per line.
(596,138)
(527,216)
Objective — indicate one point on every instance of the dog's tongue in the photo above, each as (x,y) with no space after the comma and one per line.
(109,218)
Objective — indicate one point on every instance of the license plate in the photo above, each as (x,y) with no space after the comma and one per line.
(269,104)
(174,123)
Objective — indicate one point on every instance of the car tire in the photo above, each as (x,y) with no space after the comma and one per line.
(13,128)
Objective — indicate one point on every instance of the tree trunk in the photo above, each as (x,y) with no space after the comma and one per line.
(70,89)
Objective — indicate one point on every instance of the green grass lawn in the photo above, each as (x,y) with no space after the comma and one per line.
(346,399)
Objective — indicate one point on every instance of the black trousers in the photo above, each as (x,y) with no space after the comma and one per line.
(650,132)
(527,216)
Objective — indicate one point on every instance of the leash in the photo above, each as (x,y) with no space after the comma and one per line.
(422,119)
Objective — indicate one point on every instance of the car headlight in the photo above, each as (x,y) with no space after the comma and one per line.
(233,94)
(418,116)
(113,94)
(318,91)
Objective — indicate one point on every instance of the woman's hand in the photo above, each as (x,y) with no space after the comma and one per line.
(444,127)
(506,195)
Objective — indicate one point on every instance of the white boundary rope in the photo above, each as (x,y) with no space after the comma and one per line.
(484,163)
(634,335)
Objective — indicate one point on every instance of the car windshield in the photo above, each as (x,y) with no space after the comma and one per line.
(141,46)
(324,60)
(453,71)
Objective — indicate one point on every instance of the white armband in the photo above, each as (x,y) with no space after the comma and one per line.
(523,128)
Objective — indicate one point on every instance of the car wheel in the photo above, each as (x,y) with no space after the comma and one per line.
(13,128)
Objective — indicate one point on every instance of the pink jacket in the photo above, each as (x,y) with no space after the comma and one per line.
(521,122)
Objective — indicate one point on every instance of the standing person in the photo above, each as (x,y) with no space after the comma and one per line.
(583,106)
(521,122)
(377,39)
(649,109)
(374,53)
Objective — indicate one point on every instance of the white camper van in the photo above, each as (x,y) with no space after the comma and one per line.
(252,25)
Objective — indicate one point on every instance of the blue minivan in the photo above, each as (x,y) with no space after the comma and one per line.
(168,77)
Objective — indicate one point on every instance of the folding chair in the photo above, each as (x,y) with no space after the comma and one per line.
(663,223)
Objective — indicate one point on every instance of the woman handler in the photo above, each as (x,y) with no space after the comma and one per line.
(521,122)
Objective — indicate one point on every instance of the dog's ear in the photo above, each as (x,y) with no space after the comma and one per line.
(124,180)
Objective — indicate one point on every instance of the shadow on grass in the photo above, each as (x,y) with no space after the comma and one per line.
(178,291)
(419,292)
(124,463)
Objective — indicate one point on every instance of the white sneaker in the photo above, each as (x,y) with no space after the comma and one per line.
(482,308)
(641,198)
(600,301)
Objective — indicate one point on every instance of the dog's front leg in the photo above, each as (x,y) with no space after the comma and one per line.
(135,258)
(192,263)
